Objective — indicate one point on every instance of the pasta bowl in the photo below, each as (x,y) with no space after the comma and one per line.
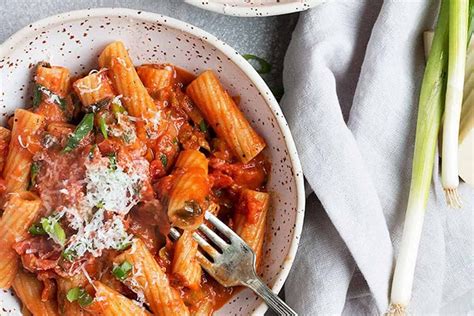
(255,8)
(75,40)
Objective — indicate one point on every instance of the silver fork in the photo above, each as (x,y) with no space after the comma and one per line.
(234,263)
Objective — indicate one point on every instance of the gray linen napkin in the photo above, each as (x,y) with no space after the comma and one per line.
(352,76)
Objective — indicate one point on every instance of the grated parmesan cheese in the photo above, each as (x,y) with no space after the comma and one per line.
(52,97)
(108,191)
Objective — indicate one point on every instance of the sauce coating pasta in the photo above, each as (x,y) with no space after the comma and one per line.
(100,167)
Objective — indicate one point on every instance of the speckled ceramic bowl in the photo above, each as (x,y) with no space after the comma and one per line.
(76,38)
(255,8)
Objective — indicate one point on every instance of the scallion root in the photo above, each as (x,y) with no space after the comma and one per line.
(396,310)
(452,198)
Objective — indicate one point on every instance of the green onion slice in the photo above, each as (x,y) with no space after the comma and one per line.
(123,270)
(164,160)
(264,66)
(80,295)
(81,131)
(103,126)
(52,227)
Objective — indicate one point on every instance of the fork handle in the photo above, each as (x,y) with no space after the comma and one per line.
(270,298)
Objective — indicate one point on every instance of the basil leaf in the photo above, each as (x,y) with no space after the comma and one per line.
(37,95)
(203,126)
(36,230)
(81,131)
(103,126)
(264,66)
(164,160)
(53,229)
(121,271)
(34,170)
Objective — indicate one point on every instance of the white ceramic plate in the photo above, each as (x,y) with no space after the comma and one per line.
(255,8)
(76,38)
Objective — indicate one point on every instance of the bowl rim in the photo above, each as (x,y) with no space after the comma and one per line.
(255,10)
(234,57)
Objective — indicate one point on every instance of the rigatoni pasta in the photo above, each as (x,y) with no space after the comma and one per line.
(97,170)
(148,278)
(94,89)
(250,219)
(50,92)
(113,303)
(20,212)
(136,99)
(5,136)
(25,142)
(28,289)
(226,119)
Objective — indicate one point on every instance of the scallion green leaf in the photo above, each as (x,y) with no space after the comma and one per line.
(430,110)
(122,271)
(34,170)
(80,295)
(203,126)
(81,131)
(164,160)
(73,294)
(36,230)
(103,126)
(264,66)
(54,230)
(37,95)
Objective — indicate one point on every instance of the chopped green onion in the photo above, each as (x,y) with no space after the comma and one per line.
(264,66)
(80,295)
(113,161)
(175,141)
(37,95)
(69,255)
(34,170)
(73,294)
(458,15)
(203,126)
(122,271)
(117,107)
(470,21)
(36,230)
(103,126)
(81,131)
(52,227)
(124,245)
(430,110)
(164,160)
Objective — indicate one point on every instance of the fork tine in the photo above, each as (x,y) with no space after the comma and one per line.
(174,233)
(205,263)
(221,227)
(213,237)
(206,246)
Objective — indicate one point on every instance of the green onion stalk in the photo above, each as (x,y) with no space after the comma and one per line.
(430,111)
(458,32)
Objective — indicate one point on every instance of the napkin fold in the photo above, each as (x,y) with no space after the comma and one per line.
(352,75)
